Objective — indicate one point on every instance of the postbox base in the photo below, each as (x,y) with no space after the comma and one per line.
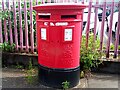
(55,77)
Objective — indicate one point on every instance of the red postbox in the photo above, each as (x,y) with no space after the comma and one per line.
(58,35)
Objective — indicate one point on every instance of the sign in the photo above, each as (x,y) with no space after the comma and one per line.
(56,23)
(43,34)
(68,35)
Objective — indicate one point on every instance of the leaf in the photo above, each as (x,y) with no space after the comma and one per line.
(89,55)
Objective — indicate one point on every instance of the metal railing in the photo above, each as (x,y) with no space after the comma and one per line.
(20,29)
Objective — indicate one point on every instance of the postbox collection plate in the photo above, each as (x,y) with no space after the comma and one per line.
(43,34)
(68,34)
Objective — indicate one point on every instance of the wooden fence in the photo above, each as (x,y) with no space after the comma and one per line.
(18,23)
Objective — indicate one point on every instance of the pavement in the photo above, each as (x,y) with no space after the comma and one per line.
(104,81)
(15,78)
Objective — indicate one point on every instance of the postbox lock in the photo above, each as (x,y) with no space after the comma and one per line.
(43,34)
(68,34)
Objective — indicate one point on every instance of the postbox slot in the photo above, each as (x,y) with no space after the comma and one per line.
(44,16)
(68,17)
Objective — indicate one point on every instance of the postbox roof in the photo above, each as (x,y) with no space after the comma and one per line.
(58,6)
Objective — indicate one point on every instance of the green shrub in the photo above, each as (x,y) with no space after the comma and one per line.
(6,47)
(89,57)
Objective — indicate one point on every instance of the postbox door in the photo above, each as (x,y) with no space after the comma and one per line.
(45,50)
(65,55)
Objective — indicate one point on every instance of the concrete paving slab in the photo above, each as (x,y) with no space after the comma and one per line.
(104,81)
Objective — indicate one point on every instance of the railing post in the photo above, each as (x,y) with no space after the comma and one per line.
(102,26)
(82,22)
(20,24)
(37,2)
(117,34)
(5,24)
(88,22)
(10,28)
(26,27)
(31,28)
(1,37)
(96,19)
(42,1)
(110,31)
(15,25)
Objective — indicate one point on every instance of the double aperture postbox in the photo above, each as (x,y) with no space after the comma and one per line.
(58,37)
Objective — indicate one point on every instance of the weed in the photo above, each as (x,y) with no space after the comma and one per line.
(82,74)
(65,85)
(18,66)
(31,74)
(30,66)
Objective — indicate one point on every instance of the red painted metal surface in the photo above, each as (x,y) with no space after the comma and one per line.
(53,50)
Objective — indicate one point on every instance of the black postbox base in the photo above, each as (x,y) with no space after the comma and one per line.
(55,77)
